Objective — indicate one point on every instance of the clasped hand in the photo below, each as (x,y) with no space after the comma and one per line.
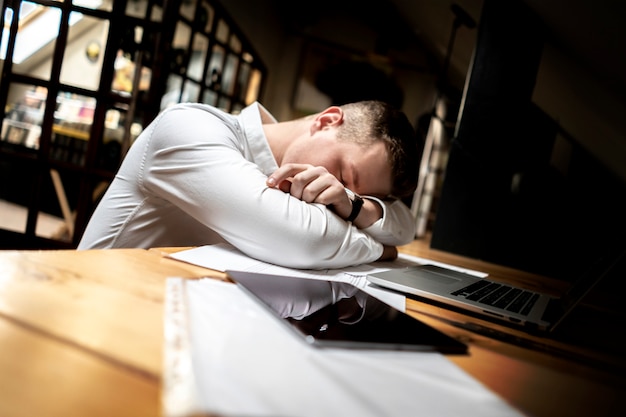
(314,184)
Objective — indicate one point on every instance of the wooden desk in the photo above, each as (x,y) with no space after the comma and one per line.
(81,333)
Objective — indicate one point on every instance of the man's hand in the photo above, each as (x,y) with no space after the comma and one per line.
(390,253)
(314,184)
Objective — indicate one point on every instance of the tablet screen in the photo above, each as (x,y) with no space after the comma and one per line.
(337,314)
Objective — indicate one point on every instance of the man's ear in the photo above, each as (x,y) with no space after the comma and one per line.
(331,117)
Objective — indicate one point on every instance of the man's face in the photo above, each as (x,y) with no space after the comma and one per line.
(363,169)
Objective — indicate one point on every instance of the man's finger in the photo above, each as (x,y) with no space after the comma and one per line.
(285,172)
(285,186)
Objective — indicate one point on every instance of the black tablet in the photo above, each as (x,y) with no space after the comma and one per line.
(336,314)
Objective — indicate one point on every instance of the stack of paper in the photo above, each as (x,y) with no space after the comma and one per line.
(226,355)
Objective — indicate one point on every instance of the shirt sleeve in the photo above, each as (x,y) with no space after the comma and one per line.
(197,162)
(396,226)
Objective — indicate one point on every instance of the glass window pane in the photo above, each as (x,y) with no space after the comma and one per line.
(124,70)
(242,81)
(214,77)
(130,54)
(254,85)
(106,5)
(180,48)
(173,91)
(228,76)
(83,56)
(22,123)
(110,150)
(222,31)
(51,226)
(34,44)
(181,36)
(125,73)
(205,17)
(224,103)
(197,60)
(72,124)
(209,97)
(191,92)
(157,13)
(4,36)
(247,56)
(14,216)
(235,44)
(137,9)
(188,9)
(236,109)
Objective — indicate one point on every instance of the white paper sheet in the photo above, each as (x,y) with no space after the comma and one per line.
(245,363)
(222,257)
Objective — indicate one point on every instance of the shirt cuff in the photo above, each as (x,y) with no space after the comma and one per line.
(396,226)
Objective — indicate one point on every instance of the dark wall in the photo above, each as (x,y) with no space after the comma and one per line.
(503,198)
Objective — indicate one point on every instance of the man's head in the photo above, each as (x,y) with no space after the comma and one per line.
(369,146)
(367,122)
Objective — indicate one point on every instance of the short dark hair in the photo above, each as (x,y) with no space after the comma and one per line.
(376,120)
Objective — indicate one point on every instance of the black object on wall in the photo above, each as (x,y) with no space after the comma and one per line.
(506,198)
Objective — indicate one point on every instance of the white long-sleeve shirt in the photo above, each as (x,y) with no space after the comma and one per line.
(196,176)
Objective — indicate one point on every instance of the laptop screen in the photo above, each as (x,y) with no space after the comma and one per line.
(336,314)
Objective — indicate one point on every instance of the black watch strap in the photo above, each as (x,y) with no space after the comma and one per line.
(357,204)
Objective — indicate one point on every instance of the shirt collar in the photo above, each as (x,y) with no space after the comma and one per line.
(252,119)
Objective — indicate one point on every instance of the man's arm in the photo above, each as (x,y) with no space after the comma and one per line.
(389,222)
(396,226)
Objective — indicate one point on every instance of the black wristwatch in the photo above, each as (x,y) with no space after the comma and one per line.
(357,204)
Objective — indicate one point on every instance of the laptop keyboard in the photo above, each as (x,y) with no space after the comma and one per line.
(502,296)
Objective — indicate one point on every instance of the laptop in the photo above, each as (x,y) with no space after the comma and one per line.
(531,310)
(332,314)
